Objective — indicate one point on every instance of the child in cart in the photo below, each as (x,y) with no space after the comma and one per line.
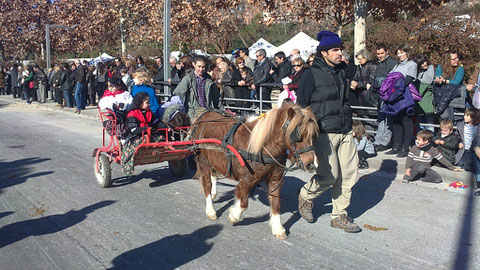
(139,119)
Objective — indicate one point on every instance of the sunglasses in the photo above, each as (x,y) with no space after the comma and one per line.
(297,65)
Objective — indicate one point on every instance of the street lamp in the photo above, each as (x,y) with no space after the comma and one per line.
(47,39)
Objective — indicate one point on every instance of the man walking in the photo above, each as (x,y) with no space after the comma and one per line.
(197,89)
(324,88)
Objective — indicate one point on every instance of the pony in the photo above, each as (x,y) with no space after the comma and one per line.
(265,145)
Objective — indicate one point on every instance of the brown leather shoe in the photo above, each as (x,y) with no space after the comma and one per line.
(305,209)
(345,223)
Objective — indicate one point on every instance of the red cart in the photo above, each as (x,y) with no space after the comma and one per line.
(174,149)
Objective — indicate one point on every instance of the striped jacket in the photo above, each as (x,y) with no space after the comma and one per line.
(424,156)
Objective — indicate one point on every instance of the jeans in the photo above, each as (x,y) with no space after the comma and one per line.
(402,131)
(79,98)
(68,98)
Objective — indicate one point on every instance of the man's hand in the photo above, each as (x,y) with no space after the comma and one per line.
(241,83)
(460,145)
(353,85)
(368,86)
(408,172)
(458,170)
(252,87)
(272,71)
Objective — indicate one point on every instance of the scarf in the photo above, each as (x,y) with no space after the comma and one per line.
(107,93)
(144,118)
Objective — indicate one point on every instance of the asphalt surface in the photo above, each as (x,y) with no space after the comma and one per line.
(54,216)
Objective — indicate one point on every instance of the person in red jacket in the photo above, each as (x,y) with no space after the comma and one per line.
(139,119)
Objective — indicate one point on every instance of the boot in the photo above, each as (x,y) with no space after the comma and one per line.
(394,151)
(345,223)
(305,209)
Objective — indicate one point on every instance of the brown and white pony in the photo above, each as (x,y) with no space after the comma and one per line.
(283,133)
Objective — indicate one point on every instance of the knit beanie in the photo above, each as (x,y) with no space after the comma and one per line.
(328,40)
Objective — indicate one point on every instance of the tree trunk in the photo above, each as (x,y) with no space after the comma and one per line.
(122,37)
(360,30)
(235,26)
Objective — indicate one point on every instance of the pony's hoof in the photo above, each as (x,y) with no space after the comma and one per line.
(212,217)
(214,195)
(281,236)
(232,220)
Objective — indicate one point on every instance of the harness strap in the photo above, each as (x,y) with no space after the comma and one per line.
(228,140)
(261,158)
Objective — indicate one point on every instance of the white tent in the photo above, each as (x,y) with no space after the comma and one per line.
(262,44)
(301,41)
(102,58)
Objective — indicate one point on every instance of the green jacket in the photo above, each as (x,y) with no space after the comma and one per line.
(187,91)
(425,106)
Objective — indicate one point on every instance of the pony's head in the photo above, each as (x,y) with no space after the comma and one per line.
(298,128)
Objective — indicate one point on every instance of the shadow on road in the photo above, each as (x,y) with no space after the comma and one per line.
(170,252)
(370,189)
(18,231)
(18,171)
(464,246)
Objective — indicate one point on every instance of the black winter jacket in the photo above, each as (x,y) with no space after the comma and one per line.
(81,74)
(443,95)
(365,75)
(283,70)
(450,146)
(324,89)
(261,73)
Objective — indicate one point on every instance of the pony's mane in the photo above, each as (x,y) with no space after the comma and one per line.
(265,126)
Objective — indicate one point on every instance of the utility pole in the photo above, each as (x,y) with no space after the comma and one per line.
(166,43)
(360,30)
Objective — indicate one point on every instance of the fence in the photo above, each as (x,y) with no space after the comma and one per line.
(260,108)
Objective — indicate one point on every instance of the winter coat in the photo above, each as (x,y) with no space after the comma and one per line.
(283,70)
(324,89)
(450,145)
(365,75)
(90,83)
(14,77)
(39,78)
(443,94)
(425,106)
(226,79)
(80,74)
(397,96)
(56,78)
(151,94)
(383,68)
(187,91)
(2,79)
(261,73)
(67,80)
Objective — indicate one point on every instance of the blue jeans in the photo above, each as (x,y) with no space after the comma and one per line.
(68,98)
(79,98)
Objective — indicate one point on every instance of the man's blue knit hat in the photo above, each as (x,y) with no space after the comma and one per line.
(328,40)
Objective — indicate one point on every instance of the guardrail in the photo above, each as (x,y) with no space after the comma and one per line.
(260,108)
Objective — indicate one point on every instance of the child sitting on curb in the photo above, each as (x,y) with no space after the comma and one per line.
(447,140)
(365,146)
(420,156)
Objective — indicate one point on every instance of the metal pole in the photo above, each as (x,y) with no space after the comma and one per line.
(261,99)
(47,49)
(166,43)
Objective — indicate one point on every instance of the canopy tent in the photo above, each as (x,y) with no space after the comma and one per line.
(301,41)
(102,58)
(262,44)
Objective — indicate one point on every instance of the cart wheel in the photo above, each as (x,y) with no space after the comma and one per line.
(104,174)
(178,167)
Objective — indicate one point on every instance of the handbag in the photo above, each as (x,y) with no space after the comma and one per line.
(31,84)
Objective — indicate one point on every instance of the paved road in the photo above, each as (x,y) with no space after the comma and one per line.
(54,216)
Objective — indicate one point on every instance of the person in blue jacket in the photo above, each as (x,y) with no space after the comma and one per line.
(140,78)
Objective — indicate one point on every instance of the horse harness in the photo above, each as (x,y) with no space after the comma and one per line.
(260,158)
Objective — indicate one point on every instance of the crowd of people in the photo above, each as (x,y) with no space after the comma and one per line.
(407,95)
